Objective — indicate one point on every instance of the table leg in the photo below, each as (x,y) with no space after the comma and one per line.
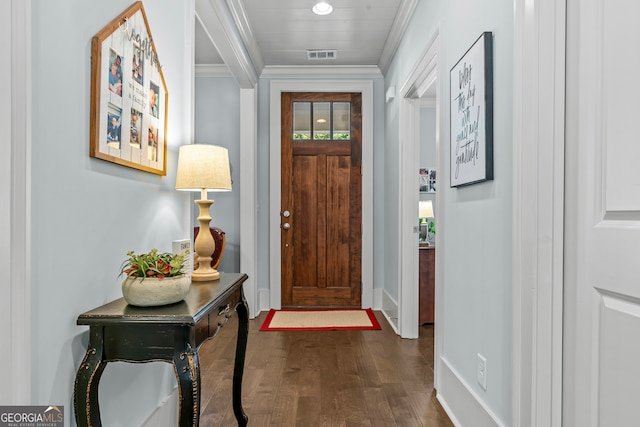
(85,390)
(187,367)
(238,368)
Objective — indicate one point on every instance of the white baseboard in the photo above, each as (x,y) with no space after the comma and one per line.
(264,302)
(461,403)
(389,308)
(445,406)
(377,299)
(166,414)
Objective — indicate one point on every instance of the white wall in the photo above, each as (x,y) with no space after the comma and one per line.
(476,259)
(87,213)
(217,122)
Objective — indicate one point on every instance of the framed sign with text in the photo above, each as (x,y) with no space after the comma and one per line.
(471,127)
(128,95)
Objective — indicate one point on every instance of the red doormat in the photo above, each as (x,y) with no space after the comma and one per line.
(320,320)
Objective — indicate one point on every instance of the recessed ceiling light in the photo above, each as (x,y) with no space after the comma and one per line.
(321,120)
(322,8)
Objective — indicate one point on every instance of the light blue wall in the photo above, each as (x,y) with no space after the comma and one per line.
(428,137)
(477,232)
(217,122)
(87,213)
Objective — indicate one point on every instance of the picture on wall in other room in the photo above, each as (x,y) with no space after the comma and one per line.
(427,180)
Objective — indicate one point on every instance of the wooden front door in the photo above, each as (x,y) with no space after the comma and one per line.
(321,212)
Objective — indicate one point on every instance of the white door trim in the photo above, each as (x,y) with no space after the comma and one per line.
(538,195)
(249,195)
(422,77)
(15,214)
(408,279)
(277,87)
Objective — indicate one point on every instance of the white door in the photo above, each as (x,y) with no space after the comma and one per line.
(601,380)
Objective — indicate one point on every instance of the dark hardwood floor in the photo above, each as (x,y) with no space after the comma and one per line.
(326,378)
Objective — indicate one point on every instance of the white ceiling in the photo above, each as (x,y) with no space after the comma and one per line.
(206,52)
(279,32)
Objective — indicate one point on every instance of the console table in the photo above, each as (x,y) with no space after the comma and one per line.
(427,281)
(171,333)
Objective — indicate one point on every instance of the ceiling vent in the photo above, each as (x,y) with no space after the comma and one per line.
(322,54)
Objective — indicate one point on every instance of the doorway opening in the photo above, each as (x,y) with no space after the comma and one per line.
(428,185)
(420,90)
(277,87)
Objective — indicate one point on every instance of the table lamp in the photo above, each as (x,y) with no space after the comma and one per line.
(204,168)
(425,210)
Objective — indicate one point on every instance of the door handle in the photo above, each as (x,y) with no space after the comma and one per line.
(286,226)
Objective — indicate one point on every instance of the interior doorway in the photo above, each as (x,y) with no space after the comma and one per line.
(428,186)
(421,88)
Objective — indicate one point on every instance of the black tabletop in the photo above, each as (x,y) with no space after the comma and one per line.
(201,297)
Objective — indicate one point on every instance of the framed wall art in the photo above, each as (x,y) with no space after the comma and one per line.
(128,95)
(471,127)
(427,179)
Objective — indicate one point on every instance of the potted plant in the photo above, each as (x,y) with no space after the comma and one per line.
(154,278)
(431,231)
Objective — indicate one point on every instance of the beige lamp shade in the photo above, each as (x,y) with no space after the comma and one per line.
(425,209)
(203,167)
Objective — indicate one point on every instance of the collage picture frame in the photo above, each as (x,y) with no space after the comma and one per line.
(427,179)
(129,97)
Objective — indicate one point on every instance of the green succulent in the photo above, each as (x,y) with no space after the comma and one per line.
(154,264)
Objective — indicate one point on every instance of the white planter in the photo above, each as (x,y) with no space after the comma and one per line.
(151,291)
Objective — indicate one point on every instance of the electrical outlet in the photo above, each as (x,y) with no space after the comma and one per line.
(481,371)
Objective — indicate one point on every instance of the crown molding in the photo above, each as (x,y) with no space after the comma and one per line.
(212,70)
(239,15)
(220,27)
(328,71)
(400,24)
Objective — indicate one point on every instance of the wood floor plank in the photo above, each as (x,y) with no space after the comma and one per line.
(285,406)
(378,408)
(308,408)
(323,378)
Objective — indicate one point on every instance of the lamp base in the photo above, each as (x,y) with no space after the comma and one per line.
(204,245)
(205,276)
